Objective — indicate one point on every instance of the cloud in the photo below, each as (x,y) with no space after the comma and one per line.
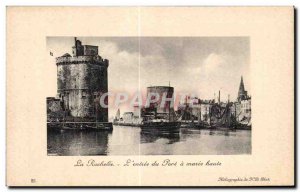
(209,65)
(123,67)
(213,63)
(192,64)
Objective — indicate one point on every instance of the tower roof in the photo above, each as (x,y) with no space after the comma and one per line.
(242,93)
(242,87)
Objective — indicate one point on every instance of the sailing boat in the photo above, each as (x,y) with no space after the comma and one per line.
(187,120)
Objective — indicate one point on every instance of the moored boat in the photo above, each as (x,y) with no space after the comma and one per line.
(80,126)
(160,125)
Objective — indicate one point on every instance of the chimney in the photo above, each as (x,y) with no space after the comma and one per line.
(75,52)
(219,96)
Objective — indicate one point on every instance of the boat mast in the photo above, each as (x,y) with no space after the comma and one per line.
(199,119)
(169,110)
(169,113)
(169,104)
(235,120)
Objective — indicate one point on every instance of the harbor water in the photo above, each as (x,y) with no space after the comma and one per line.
(125,140)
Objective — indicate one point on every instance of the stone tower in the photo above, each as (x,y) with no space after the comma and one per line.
(242,94)
(160,91)
(81,81)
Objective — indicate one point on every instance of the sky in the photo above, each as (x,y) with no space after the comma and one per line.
(196,65)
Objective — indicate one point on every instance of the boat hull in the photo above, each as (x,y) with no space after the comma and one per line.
(80,126)
(195,125)
(162,127)
(127,124)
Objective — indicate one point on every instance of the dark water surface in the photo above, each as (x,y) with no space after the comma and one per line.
(132,141)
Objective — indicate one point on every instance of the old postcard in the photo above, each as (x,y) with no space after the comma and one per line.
(150,96)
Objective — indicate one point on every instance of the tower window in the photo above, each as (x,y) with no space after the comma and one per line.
(83,96)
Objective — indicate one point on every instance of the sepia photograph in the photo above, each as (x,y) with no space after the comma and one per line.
(149,96)
(143,96)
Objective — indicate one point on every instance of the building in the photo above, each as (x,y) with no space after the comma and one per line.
(54,109)
(81,81)
(243,110)
(243,105)
(195,109)
(206,106)
(137,111)
(128,117)
(53,104)
(242,94)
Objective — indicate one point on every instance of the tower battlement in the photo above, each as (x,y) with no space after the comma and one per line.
(80,50)
(97,60)
(87,54)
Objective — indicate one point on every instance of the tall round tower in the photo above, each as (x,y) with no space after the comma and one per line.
(161,91)
(81,81)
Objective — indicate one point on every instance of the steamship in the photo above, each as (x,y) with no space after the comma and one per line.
(158,118)
(155,117)
(160,124)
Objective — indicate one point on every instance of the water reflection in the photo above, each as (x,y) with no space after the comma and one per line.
(151,137)
(76,143)
(134,141)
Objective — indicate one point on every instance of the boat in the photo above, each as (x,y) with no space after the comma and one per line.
(99,127)
(67,124)
(81,126)
(161,126)
(244,124)
(161,123)
(192,122)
